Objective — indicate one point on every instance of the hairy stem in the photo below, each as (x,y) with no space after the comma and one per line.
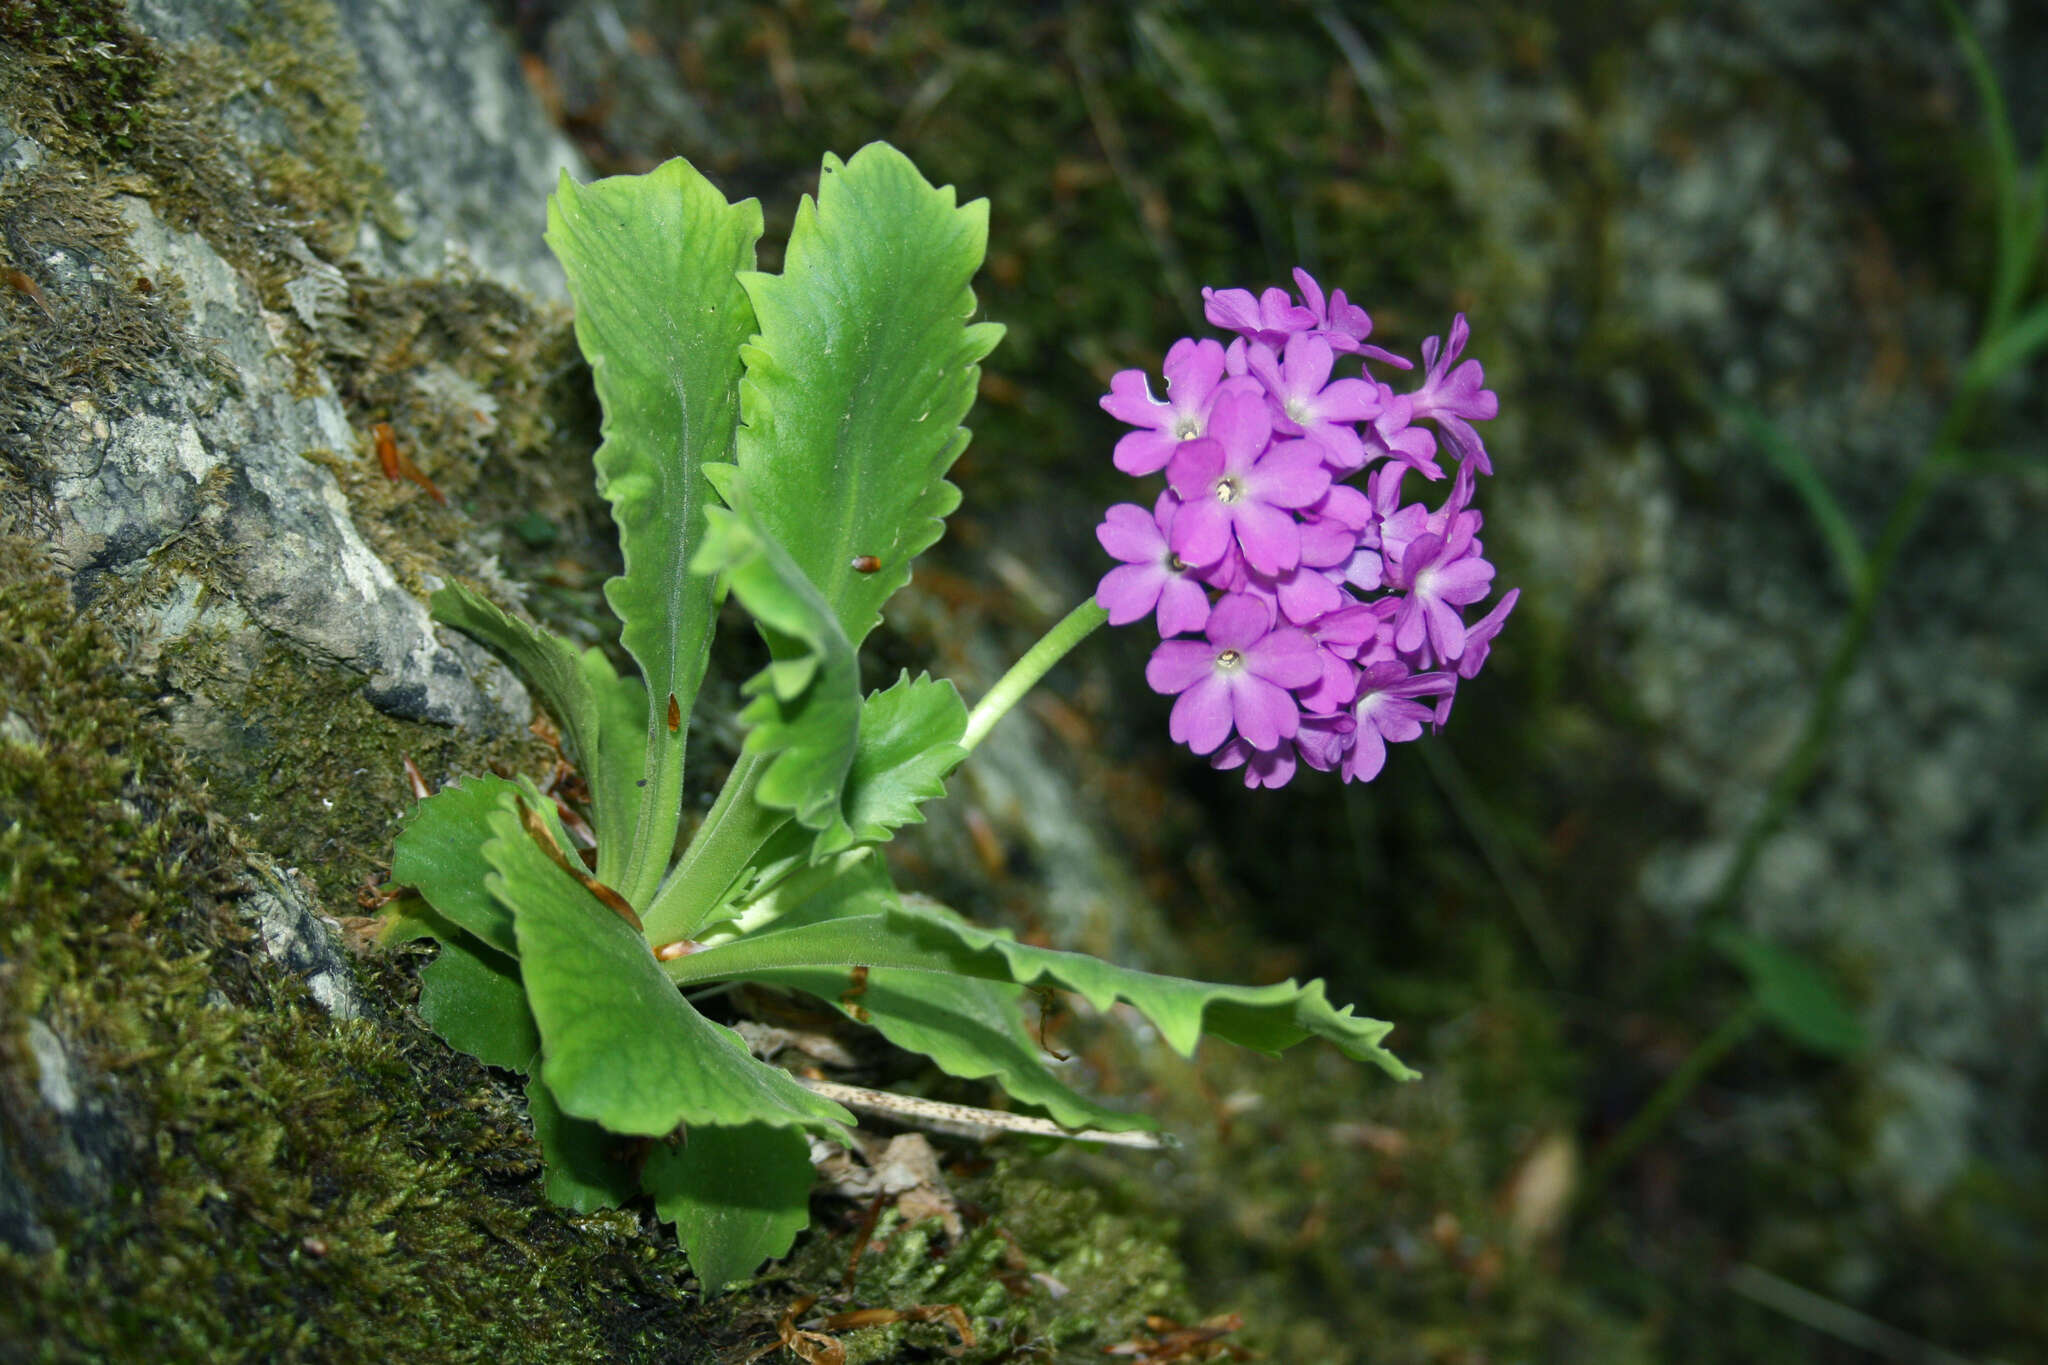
(1076,626)
(733,831)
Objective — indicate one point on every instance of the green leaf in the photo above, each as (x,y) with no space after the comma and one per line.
(761,882)
(2011,347)
(909,740)
(921,938)
(439,853)
(863,369)
(806,707)
(1794,993)
(616,784)
(408,919)
(2018,220)
(1793,466)
(473,997)
(738,1197)
(543,808)
(619,1045)
(583,1171)
(969,1027)
(652,262)
(603,716)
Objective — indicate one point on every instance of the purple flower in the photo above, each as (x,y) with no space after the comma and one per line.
(1441,573)
(1193,371)
(1323,741)
(1239,678)
(1401,523)
(1273,317)
(1151,576)
(1262,767)
(1456,398)
(1341,322)
(1392,435)
(1356,632)
(1303,594)
(1233,485)
(1338,620)
(1478,644)
(1387,713)
(1330,529)
(1310,405)
(1329,694)
(1479,638)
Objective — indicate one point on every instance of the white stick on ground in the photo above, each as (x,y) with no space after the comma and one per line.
(967,1121)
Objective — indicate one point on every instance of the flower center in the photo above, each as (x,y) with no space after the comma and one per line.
(1187,428)
(1175,564)
(1228,490)
(1229,661)
(1297,411)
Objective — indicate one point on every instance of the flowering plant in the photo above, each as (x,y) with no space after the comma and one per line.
(784,439)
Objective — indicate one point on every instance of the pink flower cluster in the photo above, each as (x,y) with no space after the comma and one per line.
(1305,611)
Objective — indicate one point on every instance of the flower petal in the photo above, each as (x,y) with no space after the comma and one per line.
(1195,467)
(1183,606)
(1177,665)
(1286,657)
(1265,714)
(1129,591)
(1202,717)
(1130,400)
(1238,621)
(1201,531)
(1270,539)
(1129,533)
(1139,453)
(1446,628)
(1291,474)
(1243,423)
(1368,754)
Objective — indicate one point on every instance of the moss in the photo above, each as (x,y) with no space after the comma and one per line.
(279,1186)
(467,372)
(255,142)
(296,63)
(1043,1273)
(80,318)
(485,393)
(297,1188)
(293,753)
(78,71)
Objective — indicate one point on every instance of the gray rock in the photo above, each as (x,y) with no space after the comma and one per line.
(299,939)
(130,479)
(216,444)
(61,1147)
(450,124)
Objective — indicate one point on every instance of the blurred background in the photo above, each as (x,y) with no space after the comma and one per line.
(1717,916)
